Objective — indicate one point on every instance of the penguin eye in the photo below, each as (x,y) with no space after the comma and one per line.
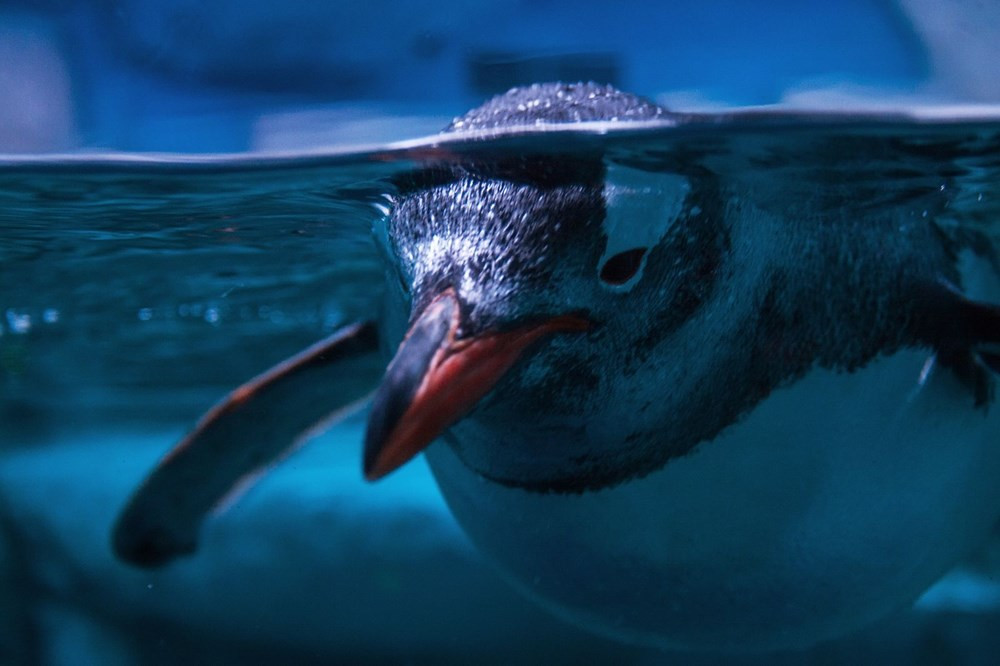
(621,267)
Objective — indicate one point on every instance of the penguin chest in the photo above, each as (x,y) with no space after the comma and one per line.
(836,500)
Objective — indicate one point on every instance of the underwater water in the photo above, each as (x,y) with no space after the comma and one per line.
(136,290)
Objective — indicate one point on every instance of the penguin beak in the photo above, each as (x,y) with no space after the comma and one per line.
(435,379)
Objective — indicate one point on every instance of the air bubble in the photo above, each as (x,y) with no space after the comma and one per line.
(18,322)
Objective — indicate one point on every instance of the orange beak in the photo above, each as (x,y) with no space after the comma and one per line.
(435,379)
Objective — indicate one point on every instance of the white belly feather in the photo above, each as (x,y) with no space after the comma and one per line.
(837,500)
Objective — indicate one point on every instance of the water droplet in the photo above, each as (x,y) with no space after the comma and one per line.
(50,315)
(145,314)
(212,315)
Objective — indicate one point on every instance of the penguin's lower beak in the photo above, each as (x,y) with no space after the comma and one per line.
(435,379)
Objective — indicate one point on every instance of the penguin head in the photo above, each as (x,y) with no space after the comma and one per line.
(528,282)
(513,242)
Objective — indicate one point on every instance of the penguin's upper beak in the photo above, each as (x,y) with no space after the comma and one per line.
(435,378)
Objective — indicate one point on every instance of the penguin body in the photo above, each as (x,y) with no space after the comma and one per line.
(669,413)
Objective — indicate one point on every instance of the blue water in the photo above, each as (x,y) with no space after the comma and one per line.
(135,292)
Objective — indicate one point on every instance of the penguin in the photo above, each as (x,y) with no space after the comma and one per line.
(668,412)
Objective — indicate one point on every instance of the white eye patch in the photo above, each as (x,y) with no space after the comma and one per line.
(641,206)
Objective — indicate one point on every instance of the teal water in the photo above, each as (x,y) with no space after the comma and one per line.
(134,292)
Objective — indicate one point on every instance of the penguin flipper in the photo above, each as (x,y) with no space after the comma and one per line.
(990,360)
(967,335)
(985,354)
(975,373)
(253,427)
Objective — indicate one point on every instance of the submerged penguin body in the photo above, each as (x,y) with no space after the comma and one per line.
(767,440)
(668,412)
(841,465)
